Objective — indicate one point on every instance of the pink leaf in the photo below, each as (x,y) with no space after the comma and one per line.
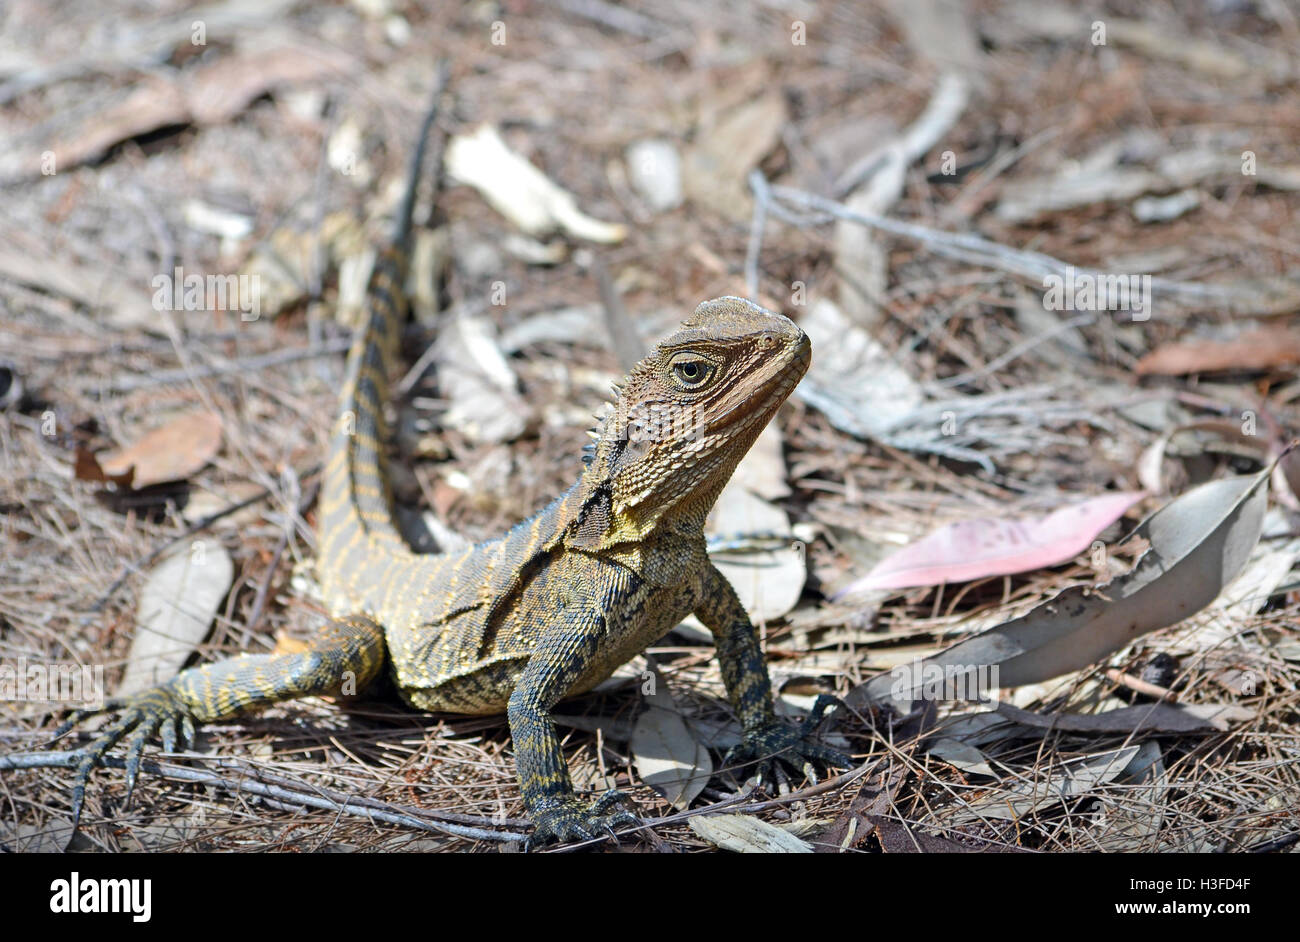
(973,549)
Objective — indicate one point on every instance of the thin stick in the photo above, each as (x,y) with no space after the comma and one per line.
(980,251)
(278,796)
(762,199)
(1141,686)
(246,365)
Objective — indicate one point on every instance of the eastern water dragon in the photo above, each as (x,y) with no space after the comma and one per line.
(548,610)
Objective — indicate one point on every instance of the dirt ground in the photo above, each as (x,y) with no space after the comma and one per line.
(904,179)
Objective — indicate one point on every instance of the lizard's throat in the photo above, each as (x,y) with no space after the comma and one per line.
(652,484)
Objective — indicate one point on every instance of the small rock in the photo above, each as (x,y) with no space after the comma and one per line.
(1165,208)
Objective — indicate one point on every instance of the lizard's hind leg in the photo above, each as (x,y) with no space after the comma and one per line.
(343,657)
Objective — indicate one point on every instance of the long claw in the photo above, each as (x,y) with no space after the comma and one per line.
(135,751)
(779,750)
(88,760)
(78,795)
(66,726)
(570,820)
(168,733)
(151,712)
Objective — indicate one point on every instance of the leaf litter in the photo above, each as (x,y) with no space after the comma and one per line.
(934,397)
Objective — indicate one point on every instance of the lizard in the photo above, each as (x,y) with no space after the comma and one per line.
(551,608)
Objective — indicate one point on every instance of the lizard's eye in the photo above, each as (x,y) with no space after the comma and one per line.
(691,370)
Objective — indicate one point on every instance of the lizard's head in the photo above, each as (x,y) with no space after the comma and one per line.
(689,411)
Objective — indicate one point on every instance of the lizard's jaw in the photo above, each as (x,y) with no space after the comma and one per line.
(772,385)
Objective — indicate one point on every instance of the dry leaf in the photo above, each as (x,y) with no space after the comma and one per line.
(762,471)
(1198,544)
(962,756)
(87,468)
(853,380)
(518,190)
(1150,717)
(154,103)
(1199,435)
(51,836)
(1069,780)
(220,91)
(666,755)
(96,288)
(1221,716)
(768,581)
(1129,822)
(745,834)
(973,549)
(724,153)
(1261,349)
(177,605)
(480,384)
(212,94)
(170,453)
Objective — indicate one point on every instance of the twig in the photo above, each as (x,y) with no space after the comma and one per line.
(1018,350)
(1281,843)
(627,345)
(278,796)
(431,349)
(941,112)
(762,199)
(1140,685)
(615,17)
(977,250)
(452,817)
(246,365)
(736,802)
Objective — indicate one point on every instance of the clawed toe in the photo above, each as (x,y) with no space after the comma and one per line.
(153,712)
(569,821)
(778,746)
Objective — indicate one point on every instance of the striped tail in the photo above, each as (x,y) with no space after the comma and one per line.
(356,524)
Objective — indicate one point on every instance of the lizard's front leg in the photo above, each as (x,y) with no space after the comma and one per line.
(561,657)
(767,738)
(344,656)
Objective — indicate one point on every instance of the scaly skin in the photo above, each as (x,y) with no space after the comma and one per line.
(551,608)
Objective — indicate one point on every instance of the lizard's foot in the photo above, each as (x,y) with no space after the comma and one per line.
(156,711)
(796,746)
(570,819)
